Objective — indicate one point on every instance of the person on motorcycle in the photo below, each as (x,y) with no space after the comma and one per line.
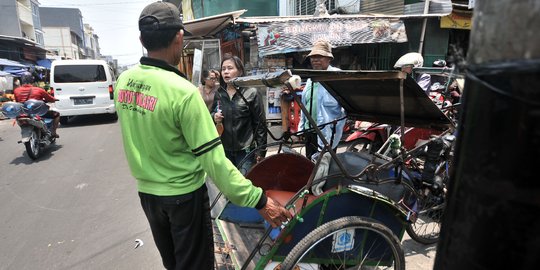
(27,91)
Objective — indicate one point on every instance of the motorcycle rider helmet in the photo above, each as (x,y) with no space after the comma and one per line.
(439,63)
(12,109)
(35,107)
(410,59)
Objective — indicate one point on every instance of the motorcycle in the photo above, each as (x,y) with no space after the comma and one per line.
(35,130)
(369,139)
(373,137)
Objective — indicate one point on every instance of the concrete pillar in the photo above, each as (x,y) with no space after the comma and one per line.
(492,219)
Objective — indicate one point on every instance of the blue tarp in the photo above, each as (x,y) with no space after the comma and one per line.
(46,63)
(17,71)
(10,63)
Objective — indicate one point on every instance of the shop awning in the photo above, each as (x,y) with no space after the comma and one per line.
(10,63)
(17,71)
(25,42)
(208,26)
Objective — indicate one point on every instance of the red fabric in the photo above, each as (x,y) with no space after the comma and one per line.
(21,93)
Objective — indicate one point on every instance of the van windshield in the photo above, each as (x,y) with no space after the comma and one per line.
(79,73)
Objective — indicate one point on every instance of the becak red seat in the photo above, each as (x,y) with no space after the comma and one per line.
(283,171)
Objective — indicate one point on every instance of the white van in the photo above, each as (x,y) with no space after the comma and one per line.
(82,87)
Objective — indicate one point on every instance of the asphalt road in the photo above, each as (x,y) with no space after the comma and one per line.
(74,208)
(77,206)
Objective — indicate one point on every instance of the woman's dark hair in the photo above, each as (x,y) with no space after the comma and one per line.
(27,79)
(239,65)
(206,73)
(157,39)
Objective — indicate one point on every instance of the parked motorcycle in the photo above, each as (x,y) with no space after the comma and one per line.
(35,130)
(373,137)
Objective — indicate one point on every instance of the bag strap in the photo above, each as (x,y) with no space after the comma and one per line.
(29,93)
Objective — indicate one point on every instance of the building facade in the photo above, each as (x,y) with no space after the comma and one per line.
(60,41)
(92,42)
(63,32)
(21,36)
(20,18)
(424,31)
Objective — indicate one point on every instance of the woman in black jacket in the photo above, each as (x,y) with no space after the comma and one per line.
(241,112)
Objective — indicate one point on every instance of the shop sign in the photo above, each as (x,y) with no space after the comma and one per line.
(456,21)
(295,36)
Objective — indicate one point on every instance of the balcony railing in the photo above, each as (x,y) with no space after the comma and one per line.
(25,14)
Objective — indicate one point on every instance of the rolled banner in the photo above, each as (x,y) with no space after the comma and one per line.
(270,79)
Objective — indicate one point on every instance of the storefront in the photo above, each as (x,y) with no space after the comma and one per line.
(267,44)
(283,43)
(208,43)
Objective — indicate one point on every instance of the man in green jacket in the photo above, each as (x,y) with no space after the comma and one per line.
(170,143)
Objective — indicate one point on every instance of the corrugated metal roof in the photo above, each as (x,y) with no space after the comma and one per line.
(209,26)
(390,7)
(435,7)
(377,9)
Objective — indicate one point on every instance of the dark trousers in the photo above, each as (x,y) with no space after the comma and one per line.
(237,156)
(312,145)
(182,229)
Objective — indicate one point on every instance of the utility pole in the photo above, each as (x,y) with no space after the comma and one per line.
(424,25)
(492,219)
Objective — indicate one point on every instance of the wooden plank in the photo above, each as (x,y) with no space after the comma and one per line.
(241,239)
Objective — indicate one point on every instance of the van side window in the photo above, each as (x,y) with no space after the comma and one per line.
(79,73)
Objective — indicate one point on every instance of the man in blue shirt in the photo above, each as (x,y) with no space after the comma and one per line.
(322,106)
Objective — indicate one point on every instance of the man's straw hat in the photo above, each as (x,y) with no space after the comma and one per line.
(323,48)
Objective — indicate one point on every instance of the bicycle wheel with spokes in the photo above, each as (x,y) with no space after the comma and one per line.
(427,227)
(430,207)
(347,243)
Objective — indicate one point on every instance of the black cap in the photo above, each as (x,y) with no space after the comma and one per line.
(160,16)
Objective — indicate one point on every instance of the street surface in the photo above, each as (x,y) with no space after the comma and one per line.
(77,207)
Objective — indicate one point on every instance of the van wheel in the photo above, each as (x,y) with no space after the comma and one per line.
(64,120)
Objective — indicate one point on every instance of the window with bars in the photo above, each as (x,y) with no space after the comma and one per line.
(307,7)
